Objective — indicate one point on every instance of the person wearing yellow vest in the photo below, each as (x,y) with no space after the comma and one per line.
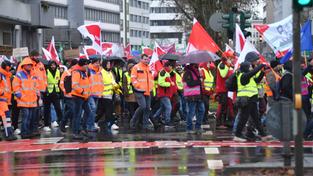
(247,98)
(52,95)
(105,104)
(128,91)
(207,87)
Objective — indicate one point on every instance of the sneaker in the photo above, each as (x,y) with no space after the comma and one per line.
(46,129)
(267,138)
(26,136)
(54,124)
(239,139)
(114,127)
(17,131)
(97,126)
(10,138)
(62,128)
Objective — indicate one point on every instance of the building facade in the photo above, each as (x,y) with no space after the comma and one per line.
(21,24)
(137,24)
(166,27)
(70,14)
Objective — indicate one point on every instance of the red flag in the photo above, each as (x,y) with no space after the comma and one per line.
(107,48)
(155,63)
(170,49)
(127,51)
(148,51)
(92,31)
(240,40)
(200,40)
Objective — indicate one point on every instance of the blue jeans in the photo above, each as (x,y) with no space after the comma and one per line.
(79,105)
(183,108)
(28,120)
(68,110)
(143,110)
(53,114)
(165,108)
(89,117)
(195,107)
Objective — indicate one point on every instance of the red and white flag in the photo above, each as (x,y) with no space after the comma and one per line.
(277,35)
(240,40)
(155,63)
(106,48)
(200,40)
(92,31)
(248,47)
(170,48)
(127,51)
(51,52)
(146,50)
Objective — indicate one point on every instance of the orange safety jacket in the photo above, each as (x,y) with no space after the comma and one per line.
(5,86)
(80,84)
(142,79)
(39,72)
(96,81)
(25,89)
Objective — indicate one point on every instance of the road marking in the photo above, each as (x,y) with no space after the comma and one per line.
(99,148)
(205,126)
(215,164)
(21,151)
(211,150)
(60,149)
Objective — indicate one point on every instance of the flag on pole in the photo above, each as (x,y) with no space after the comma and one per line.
(200,40)
(92,31)
(155,63)
(127,51)
(53,51)
(248,47)
(148,51)
(277,35)
(46,54)
(240,40)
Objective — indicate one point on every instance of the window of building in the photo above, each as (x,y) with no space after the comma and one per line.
(110,36)
(164,10)
(7,38)
(59,11)
(103,16)
(166,35)
(166,22)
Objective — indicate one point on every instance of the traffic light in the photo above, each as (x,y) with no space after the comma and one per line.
(229,23)
(299,4)
(244,23)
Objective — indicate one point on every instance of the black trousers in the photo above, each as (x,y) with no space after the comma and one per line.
(15,114)
(106,108)
(206,100)
(250,110)
(49,99)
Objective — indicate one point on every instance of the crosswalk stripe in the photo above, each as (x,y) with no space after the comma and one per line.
(211,150)
(215,164)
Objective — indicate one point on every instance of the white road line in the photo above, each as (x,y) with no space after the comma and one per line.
(21,151)
(60,149)
(99,148)
(215,164)
(211,150)
(205,126)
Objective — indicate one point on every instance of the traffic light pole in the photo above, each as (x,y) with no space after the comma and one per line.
(297,119)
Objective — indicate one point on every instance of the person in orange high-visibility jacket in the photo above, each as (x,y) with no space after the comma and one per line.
(96,90)
(68,101)
(26,92)
(142,82)
(80,92)
(5,99)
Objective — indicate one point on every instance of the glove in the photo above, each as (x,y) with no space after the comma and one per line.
(119,92)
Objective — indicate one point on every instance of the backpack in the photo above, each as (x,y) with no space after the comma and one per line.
(231,82)
(68,83)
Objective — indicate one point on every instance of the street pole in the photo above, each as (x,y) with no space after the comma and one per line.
(125,27)
(297,119)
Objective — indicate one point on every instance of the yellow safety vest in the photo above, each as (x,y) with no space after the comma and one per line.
(209,80)
(129,87)
(53,82)
(108,81)
(179,81)
(247,90)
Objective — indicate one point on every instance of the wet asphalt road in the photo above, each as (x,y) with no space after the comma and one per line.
(129,153)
